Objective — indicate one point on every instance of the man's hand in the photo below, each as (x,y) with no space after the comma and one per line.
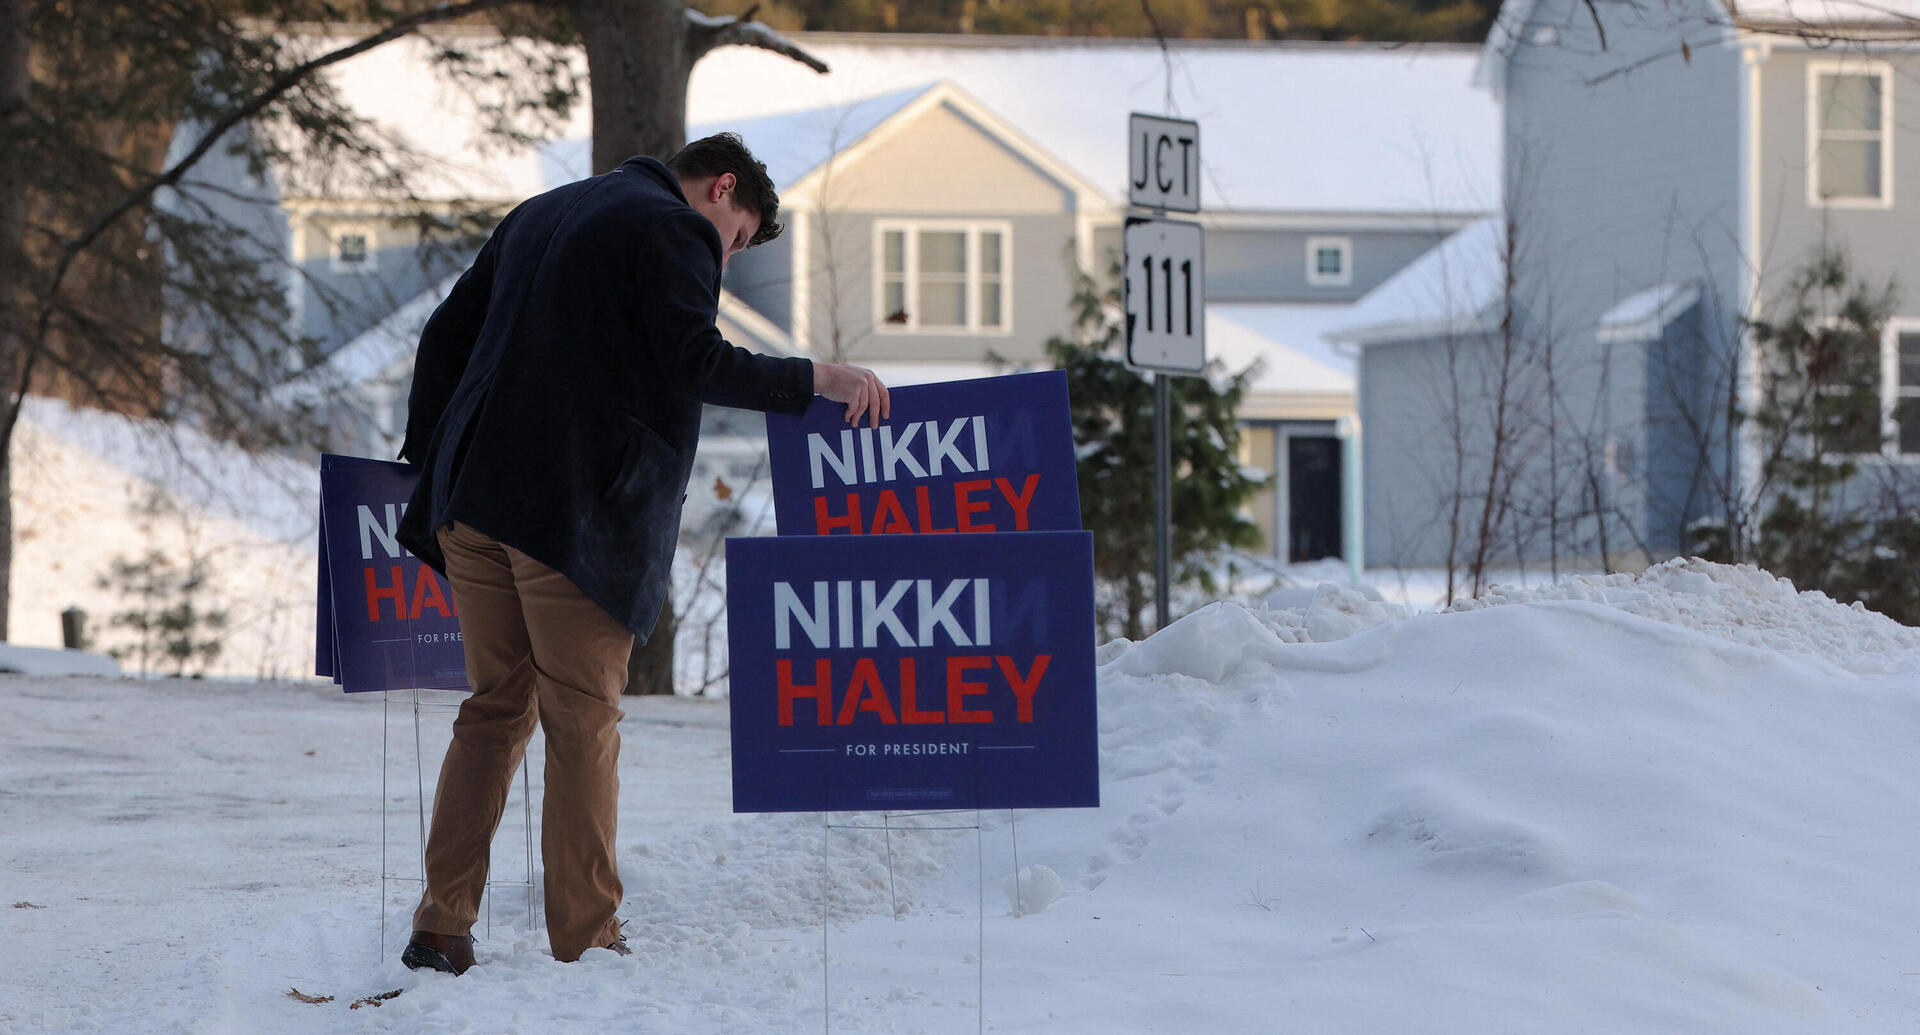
(863,393)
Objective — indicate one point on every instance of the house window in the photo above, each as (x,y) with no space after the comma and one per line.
(1849,130)
(1329,261)
(353,248)
(943,277)
(1847,403)
(1906,390)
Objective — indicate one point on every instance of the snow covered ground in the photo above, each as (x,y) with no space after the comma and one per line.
(1682,802)
(83,493)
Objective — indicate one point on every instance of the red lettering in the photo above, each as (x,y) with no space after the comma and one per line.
(396,593)
(910,712)
(889,508)
(1021,500)
(1024,686)
(819,690)
(965,506)
(926,510)
(958,689)
(825,523)
(427,593)
(866,695)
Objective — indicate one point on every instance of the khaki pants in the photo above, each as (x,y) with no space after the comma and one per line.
(536,649)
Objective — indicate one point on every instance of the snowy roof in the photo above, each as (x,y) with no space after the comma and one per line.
(1390,129)
(391,341)
(1284,127)
(1644,314)
(1446,291)
(793,144)
(1289,341)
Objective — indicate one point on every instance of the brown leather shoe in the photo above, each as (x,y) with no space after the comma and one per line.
(446,953)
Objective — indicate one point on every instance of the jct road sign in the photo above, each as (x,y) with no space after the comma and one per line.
(1166,286)
(1163,157)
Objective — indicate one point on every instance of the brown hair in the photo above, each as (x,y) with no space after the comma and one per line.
(753,189)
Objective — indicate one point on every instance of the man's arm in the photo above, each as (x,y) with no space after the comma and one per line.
(687,268)
(446,343)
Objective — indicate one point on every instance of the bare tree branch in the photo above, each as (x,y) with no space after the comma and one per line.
(705,33)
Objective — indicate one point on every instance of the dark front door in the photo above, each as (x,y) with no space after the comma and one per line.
(1313,498)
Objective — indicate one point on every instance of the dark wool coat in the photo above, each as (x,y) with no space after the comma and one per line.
(556,394)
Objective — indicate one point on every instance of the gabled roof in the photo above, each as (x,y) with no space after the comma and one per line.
(791,144)
(805,145)
(1450,290)
(795,144)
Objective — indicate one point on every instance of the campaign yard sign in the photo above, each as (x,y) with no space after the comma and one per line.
(386,620)
(905,672)
(993,454)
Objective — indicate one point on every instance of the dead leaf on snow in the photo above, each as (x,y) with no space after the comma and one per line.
(294,993)
(375,1000)
(27,905)
(722,491)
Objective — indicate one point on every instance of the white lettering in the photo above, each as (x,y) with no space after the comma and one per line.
(880,612)
(866,453)
(846,615)
(371,529)
(894,453)
(940,448)
(982,614)
(842,462)
(860,620)
(940,612)
(787,608)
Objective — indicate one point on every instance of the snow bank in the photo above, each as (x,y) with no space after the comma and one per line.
(1742,604)
(1669,803)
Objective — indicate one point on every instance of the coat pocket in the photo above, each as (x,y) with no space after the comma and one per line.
(648,466)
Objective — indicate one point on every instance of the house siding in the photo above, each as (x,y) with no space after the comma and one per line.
(1408,423)
(337,306)
(1878,241)
(1271,265)
(1040,279)
(1616,181)
(938,166)
(762,276)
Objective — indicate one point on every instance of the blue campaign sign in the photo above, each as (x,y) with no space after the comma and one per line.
(994,454)
(386,620)
(905,672)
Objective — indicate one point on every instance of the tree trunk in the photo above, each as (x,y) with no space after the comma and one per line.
(15,19)
(638,62)
(640,54)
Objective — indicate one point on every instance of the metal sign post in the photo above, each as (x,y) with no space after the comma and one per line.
(1165,284)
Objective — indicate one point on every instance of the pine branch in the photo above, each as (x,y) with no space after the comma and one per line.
(140,195)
